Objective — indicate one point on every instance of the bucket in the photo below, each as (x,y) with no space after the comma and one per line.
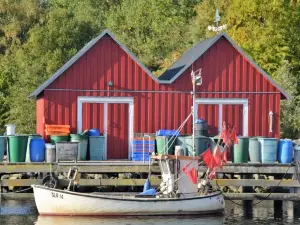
(10,129)
(268,148)
(17,148)
(50,153)
(37,150)
(285,151)
(254,150)
(2,147)
(27,159)
(82,145)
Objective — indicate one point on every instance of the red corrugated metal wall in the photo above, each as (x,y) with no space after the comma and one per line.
(226,74)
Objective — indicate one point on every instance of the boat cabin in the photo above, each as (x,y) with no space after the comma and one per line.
(176,175)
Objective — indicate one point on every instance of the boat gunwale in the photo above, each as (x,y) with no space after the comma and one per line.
(217,193)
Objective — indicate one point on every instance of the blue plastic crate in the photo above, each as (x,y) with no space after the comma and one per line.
(167,133)
(137,156)
(141,142)
(141,147)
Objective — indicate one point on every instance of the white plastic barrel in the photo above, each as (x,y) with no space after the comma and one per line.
(297,154)
(178,150)
(10,129)
(50,153)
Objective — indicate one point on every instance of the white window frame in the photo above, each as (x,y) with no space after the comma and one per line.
(106,101)
(226,101)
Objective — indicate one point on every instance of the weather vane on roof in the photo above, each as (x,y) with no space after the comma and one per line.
(218,28)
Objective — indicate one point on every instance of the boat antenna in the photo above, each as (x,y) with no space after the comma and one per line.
(217,28)
(196,80)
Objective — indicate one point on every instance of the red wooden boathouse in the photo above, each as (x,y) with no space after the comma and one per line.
(105,86)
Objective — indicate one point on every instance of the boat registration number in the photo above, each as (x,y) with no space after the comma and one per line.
(57,195)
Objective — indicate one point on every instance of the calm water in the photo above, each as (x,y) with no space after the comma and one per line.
(24,213)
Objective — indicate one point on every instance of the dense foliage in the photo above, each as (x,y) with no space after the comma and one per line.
(39,36)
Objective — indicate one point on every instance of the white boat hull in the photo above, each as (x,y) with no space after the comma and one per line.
(60,202)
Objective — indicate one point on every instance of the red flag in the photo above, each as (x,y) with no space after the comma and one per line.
(208,158)
(218,157)
(185,168)
(224,155)
(224,133)
(234,137)
(192,175)
(212,174)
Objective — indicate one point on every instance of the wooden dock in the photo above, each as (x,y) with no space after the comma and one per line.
(236,176)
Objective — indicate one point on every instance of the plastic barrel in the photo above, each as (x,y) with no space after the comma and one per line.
(82,145)
(285,151)
(254,150)
(297,154)
(28,145)
(50,153)
(37,150)
(58,138)
(94,132)
(202,143)
(2,147)
(17,148)
(268,148)
(180,141)
(96,147)
(165,145)
(241,150)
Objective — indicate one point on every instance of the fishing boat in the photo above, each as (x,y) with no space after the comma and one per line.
(176,195)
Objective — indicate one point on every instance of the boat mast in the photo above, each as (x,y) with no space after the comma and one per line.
(196,80)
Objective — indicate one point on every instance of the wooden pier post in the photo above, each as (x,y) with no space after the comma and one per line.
(247,204)
(278,211)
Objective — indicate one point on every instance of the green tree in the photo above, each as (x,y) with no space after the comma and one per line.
(290,110)
(152,29)
(50,44)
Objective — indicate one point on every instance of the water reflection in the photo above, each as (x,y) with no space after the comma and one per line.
(187,220)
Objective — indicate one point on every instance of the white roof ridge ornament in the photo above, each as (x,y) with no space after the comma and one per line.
(217,28)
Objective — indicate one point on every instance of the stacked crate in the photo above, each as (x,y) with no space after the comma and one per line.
(142,148)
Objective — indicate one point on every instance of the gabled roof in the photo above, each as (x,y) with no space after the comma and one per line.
(191,55)
(80,53)
(171,74)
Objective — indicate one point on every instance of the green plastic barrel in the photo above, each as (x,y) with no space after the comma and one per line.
(30,137)
(202,143)
(58,138)
(164,145)
(82,145)
(2,147)
(17,148)
(241,150)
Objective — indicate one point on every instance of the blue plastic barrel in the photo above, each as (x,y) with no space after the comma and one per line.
(37,150)
(285,151)
(268,148)
(94,132)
